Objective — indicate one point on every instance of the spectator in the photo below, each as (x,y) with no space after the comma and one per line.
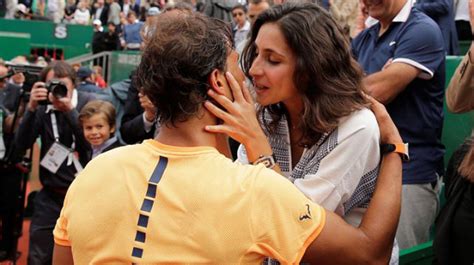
(82,15)
(10,183)
(442,12)
(9,93)
(100,11)
(99,79)
(407,75)
(86,80)
(153,12)
(128,5)
(69,11)
(180,6)
(220,9)
(111,39)
(76,66)
(114,12)
(55,10)
(61,135)
(461,18)
(11,8)
(97,37)
(139,118)
(192,176)
(255,8)
(242,25)
(18,78)
(132,32)
(98,124)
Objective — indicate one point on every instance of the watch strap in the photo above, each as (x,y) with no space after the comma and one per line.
(399,148)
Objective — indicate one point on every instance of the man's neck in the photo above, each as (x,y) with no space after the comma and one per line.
(190,133)
(387,20)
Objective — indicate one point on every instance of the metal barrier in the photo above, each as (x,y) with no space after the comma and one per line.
(116,65)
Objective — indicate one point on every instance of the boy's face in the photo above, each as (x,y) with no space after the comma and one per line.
(239,16)
(96,129)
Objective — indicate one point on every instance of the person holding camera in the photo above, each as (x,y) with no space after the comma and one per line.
(10,175)
(9,93)
(52,114)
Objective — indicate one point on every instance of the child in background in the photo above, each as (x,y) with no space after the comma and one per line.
(98,124)
(99,79)
(242,25)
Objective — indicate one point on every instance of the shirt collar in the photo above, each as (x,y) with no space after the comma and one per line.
(74,100)
(402,16)
(246,26)
(96,150)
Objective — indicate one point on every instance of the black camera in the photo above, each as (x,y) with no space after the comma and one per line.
(57,88)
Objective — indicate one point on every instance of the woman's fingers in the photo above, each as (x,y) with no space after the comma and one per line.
(223,101)
(217,111)
(235,87)
(222,128)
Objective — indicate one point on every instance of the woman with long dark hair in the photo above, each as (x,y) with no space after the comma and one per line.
(312,123)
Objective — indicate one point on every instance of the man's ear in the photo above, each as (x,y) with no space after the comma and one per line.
(217,81)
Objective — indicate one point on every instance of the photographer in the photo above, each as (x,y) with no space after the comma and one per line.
(9,93)
(12,174)
(10,178)
(52,113)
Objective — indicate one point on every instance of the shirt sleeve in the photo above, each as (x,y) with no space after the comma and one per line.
(421,46)
(283,221)
(60,232)
(338,174)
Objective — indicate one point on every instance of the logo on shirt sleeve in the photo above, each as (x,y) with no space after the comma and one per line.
(306,215)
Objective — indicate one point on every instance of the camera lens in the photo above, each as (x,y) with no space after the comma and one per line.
(58,89)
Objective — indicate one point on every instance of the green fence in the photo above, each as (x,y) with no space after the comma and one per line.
(122,64)
(71,40)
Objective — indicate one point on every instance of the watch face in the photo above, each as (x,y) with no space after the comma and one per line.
(267,161)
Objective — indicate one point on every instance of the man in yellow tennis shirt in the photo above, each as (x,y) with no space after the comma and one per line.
(177,199)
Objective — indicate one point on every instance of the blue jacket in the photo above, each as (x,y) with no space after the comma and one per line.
(442,12)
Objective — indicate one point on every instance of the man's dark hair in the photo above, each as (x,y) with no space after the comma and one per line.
(61,69)
(181,6)
(327,77)
(180,54)
(256,2)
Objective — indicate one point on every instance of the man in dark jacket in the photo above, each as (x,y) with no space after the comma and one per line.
(442,12)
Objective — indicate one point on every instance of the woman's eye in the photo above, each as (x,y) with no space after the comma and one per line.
(273,61)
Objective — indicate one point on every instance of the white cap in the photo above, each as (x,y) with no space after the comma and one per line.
(153,11)
(21,8)
(97,22)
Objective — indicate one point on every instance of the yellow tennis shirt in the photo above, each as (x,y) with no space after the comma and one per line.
(152,203)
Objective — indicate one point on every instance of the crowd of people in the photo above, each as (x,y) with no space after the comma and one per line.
(251,134)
